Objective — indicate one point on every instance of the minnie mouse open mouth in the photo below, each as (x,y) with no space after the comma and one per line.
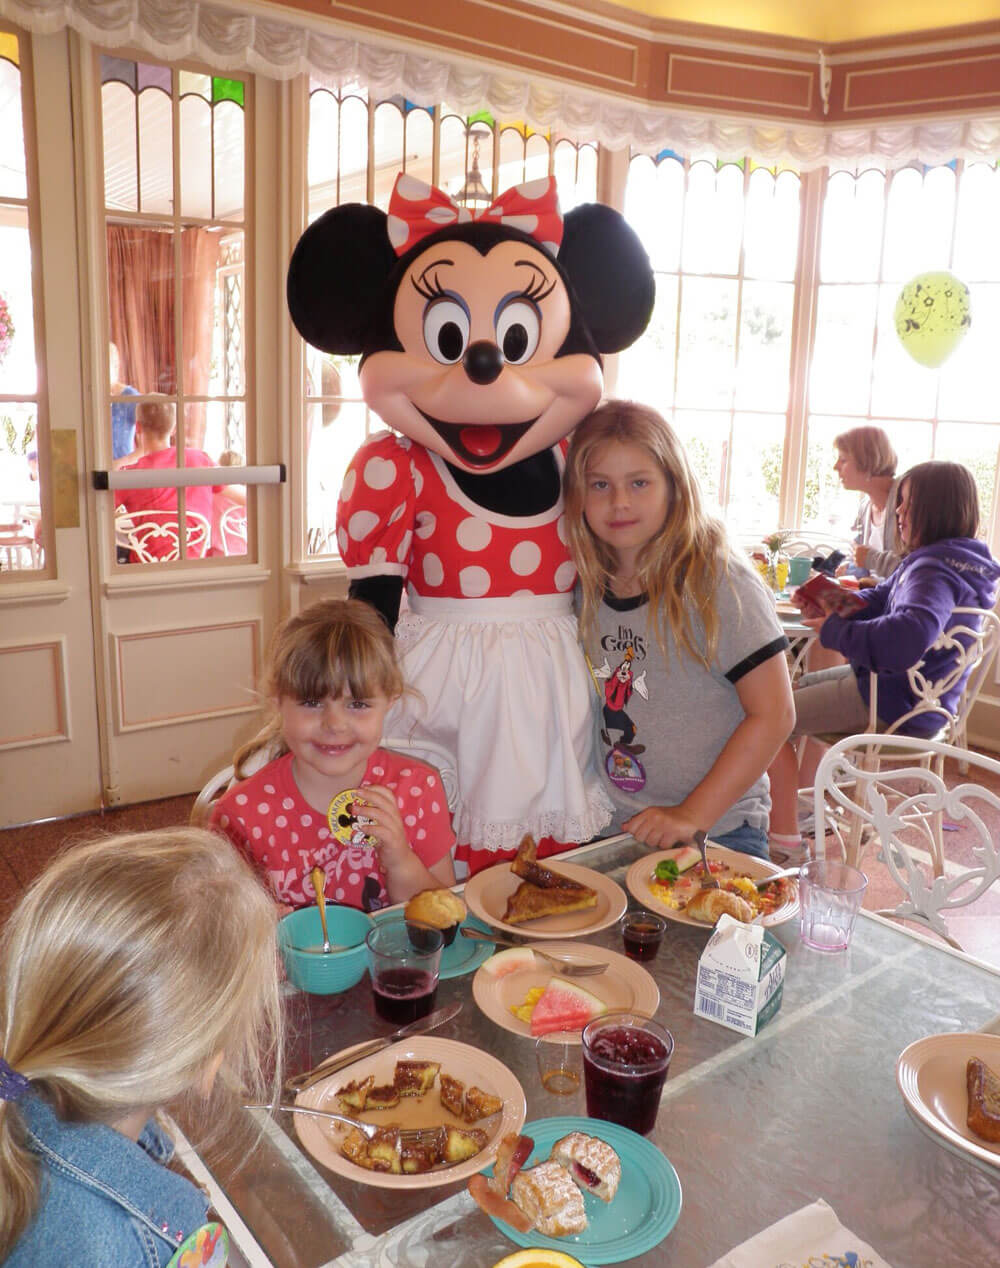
(480,445)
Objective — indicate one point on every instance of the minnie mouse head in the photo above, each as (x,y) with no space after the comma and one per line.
(481,339)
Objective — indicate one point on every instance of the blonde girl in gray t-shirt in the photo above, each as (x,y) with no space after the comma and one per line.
(683,641)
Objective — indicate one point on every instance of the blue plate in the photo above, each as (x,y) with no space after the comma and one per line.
(642,1212)
(464,955)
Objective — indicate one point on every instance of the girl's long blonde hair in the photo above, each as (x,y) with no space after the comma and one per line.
(681,565)
(330,647)
(128,966)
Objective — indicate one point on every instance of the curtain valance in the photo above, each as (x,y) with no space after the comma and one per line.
(281,44)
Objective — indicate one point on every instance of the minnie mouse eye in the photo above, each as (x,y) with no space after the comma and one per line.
(446,330)
(518,327)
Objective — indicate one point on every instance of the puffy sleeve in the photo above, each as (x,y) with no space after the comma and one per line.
(376,510)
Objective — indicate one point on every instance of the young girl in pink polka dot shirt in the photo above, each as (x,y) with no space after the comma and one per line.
(332,676)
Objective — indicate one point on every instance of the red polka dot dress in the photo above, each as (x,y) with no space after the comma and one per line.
(489,642)
(284,838)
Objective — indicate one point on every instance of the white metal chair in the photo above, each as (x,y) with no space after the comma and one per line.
(909,798)
(974,638)
(153,536)
(233,529)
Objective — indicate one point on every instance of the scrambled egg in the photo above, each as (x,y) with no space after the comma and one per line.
(664,891)
(523,1011)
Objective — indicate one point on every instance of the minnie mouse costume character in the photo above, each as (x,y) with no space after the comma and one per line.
(481,344)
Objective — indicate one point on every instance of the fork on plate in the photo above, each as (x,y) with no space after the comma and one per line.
(407,1135)
(566,967)
(709,882)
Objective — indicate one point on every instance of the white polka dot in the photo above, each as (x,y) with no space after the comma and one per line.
(430,781)
(398,231)
(523,594)
(263,808)
(400,802)
(361,524)
(378,770)
(406,772)
(433,570)
(404,546)
(284,856)
(306,820)
(421,834)
(269,788)
(281,822)
(380,473)
(347,488)
(294,838)
(561,529)
(525,558)
(534,189)
(527,224)
(241,799)
(224,821)
(353,879)
(551,247)
(416,792)
(411,189)
(426,524)
(418,482)
(342,540)
(565,575)
(442,215)
(257,833)
(288,804)
(397,513)
(474,534)
(271,841)
(410,821)
(474,582)
(404,442)
(420,813)
(379,555)
(338,894)
(436,807)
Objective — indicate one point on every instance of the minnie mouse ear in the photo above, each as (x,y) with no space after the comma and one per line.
(611,275)
(336,276)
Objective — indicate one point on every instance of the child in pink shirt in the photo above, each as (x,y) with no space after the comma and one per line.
(376,821)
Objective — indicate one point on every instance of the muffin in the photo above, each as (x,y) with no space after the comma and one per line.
(439,908)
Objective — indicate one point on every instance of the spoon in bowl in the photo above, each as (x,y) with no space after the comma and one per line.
(318,878)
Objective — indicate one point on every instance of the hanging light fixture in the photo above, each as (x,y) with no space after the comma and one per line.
(474,193)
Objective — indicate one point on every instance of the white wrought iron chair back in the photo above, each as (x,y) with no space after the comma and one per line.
(900,805)
(233,529)
(138,530)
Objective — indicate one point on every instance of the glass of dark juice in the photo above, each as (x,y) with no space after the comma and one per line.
(625,1060)
(403,960)
(642,933)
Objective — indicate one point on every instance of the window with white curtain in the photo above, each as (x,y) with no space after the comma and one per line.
(356,148)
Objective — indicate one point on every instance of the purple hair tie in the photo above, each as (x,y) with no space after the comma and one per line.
(13,1086)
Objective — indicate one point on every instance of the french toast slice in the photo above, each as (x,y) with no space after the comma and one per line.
(529,869)
(529,902)
(984,1100)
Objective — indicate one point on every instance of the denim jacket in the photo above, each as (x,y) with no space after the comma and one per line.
(106,1201)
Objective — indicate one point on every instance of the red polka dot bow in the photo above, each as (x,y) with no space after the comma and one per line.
(417,209)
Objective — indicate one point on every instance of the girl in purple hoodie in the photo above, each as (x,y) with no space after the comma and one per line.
(945,567)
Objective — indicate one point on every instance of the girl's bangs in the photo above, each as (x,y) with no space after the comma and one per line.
(346,663)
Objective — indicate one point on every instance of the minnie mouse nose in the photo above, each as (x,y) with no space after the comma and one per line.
(483,362)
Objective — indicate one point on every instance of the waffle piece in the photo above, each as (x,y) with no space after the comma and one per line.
(384,1149)
(355,1095)
(550,1199)
(460,1144)
(384,1097)
(480,1104)
(453,1095)
(417,1157)
(591,1163)
(984,1100)
(414,1078)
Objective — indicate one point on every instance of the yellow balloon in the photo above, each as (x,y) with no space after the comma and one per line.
(932,317)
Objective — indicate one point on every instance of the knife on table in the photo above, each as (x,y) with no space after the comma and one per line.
(337,1061)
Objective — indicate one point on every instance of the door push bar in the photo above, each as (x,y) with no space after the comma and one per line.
(188,477)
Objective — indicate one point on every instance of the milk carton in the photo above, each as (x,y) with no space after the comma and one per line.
(740,976)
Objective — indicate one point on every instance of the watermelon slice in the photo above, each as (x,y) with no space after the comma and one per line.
(512,961)
(564,1006)
(684,856)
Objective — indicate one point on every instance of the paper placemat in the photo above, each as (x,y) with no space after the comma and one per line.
(812,1235)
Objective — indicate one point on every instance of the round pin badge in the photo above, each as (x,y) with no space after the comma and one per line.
(346,824)
(207,1247)
(625,770)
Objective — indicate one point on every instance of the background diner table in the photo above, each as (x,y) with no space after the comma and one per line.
(755,1127)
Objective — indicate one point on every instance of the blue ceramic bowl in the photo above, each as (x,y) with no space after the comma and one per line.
(320,974)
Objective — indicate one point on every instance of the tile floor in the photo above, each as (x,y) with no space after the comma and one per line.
(24,851)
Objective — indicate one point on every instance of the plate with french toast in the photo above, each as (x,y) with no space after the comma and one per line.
(950,1084)
(623,1216)
(672,881)
(539,900)
(510,994)
(441,1107)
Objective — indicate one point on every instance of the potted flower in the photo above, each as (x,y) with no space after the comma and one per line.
(776,573)
(6,328)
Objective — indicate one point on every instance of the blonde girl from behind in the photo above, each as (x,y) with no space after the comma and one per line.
(377,822)
(684,642)
(138,973)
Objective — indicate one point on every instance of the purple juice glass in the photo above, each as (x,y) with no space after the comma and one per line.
(625,1061)
(403,961)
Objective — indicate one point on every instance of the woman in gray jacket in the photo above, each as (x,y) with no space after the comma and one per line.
(866,461)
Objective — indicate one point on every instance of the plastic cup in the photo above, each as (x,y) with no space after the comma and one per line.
(642,933)
(404,958)
(830,895)
(558,1064)
(799,568)
(625,1062)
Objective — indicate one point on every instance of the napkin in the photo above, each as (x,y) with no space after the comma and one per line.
(812,1235)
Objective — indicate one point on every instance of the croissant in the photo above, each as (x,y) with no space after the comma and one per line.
(709,904)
